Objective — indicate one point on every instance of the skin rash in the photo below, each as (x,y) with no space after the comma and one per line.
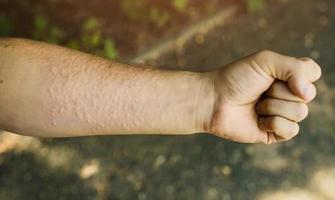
(51,91)
(78,94)
(92,108)
(96,106)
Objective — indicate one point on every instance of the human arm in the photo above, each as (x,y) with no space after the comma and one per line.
(53,91)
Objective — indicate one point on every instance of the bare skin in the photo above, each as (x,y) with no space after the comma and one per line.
(51,91)
(242,115)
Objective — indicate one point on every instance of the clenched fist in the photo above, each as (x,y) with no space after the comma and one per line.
(261,98)
(57,92)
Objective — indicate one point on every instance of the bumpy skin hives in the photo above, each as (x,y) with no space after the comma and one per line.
(91,98)
(106,96)
(61,92)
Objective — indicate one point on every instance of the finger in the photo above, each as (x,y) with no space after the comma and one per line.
(308,90)
(299,73)
(273,138)
(283,129)
(294,111)
(280,90)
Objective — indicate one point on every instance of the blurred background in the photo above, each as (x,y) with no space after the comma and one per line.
(181,34)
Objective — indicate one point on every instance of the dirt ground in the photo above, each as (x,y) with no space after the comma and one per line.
(199,166)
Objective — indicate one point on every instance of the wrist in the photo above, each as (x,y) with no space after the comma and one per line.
(206,100)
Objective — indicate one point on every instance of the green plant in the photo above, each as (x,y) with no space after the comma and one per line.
(46,32)
(180,5)
(134,9)
(6,26)
(91,31)
(109,49)
(159,17)
(40,26)
(55,35)
(73,44)
(90,40)
(143,11)
(255,5)
(93,40)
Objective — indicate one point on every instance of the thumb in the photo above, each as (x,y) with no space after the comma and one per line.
(302,88)
(299,73)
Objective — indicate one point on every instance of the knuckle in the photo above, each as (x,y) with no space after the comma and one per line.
(316,67)
(263,53)
(300,63)
(310,61)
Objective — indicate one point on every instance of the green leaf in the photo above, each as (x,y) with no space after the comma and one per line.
(110,50)
(180,5)
(40,27)
(92,40)
(135,10)
(90,24)
(73,44)
(95,39)
(255,5)
(5,26)
(159,17)
(91,34)
(55,35)
(40,22)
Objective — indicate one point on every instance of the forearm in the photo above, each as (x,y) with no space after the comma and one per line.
(52,91)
